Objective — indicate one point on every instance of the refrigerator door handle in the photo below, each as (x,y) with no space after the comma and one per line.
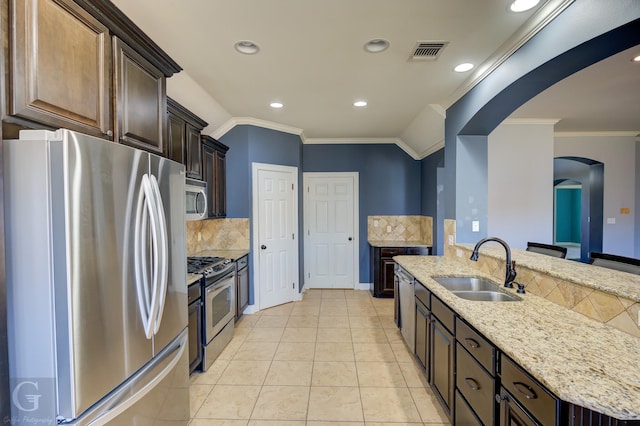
(163,249)
(146,219)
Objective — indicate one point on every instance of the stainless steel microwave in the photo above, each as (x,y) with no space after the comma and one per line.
(196,199)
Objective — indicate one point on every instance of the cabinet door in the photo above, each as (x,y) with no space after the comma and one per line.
(209,173)
(243,290)
(442,363)
(511,414)
(60,67)
(176,141)
(140,100)
(194,152)
(386,281)
(422,335)
(221,184)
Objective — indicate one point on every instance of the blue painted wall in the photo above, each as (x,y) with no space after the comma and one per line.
(247,145)
(586,32)
(430,192)
(389,182)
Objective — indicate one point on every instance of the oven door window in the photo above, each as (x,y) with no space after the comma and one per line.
(221,305)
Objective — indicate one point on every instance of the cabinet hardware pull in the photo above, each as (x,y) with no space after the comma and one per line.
(472,342)
(472,383)
(525,390)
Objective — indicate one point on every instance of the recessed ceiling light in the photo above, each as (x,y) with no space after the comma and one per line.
(523,5)
(463,67)
(376,45)
(360,103)
(247,47)
(276,105)
(636,59)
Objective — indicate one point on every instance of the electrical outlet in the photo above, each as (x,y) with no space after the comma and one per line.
(475,226)
(388,228)
(199,236)
(376,223)
(450,240)
(458,252)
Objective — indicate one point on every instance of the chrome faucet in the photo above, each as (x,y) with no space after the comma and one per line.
(510,274)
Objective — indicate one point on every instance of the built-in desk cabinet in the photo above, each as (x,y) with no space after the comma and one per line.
(84,66)
(383,266)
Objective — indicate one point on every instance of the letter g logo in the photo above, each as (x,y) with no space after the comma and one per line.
(31,398)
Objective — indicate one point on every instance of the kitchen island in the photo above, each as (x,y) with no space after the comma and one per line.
(582,361)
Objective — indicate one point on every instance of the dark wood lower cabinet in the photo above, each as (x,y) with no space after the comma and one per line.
(242,285)
(383,265)
(463,415)
(422,335)
(442,363)
(512,414)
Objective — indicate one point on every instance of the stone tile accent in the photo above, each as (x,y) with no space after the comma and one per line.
(217,234)
(403,228)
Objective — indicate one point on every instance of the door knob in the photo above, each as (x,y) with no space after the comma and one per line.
(350,239)
(263,247)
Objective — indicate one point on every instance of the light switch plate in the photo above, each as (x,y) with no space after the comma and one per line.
(611,220)
(388,228)
(376,223)
(458,252)
(450,240)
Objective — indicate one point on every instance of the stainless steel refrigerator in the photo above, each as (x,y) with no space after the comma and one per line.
(96,282)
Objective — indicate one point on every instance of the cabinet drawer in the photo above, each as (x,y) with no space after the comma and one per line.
(483,351)
(422,294)
(463,413)
(241,263)
(422,251)
(392,251)
(529,393)
(476,385)
(443,313)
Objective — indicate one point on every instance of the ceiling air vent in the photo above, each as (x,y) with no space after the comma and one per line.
(427,50)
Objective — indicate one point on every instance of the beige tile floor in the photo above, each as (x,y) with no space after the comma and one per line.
(336,357)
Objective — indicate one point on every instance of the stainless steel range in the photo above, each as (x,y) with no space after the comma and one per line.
(219,301)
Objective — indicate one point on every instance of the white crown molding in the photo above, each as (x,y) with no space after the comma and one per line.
(531,121)
(629,134)
(250,121)
(345,141)
(533,26)
(433,148)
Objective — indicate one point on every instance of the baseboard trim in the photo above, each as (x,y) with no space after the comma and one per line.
(363,286)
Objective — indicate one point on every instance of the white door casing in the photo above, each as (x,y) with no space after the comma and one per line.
(275,235)
(331,230)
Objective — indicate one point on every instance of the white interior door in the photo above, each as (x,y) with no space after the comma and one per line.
(275,218)
(330,224)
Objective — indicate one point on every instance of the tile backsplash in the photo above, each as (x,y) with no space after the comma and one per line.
(400,228)
(217,234)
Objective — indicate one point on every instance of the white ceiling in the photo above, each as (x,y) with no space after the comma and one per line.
(312,59)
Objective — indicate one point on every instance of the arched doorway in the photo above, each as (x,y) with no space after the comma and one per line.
(578,190)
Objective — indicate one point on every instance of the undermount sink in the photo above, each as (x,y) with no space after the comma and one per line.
(475,288)
(466,283)
(487,296)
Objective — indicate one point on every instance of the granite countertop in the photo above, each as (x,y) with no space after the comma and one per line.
(580,360)
(394,243)
(608,280)
(233,254)
(192,278)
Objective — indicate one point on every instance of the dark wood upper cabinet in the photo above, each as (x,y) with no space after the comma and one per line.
(214,173)
(60,67)
(183,144)
(141,100)
(83,65)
